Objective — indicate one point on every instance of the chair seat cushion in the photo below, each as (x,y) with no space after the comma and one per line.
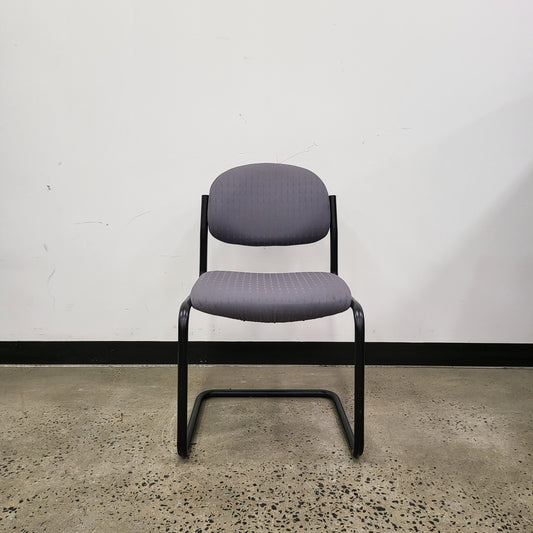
(266,297)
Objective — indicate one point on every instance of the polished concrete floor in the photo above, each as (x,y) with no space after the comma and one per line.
(93,449)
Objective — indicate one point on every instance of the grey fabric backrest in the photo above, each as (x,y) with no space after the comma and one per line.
(266,204)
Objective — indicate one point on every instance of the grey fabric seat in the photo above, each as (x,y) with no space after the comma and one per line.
(266,297)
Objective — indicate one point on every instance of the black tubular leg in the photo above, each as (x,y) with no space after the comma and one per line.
(183,339)
(359,401)
(186,431)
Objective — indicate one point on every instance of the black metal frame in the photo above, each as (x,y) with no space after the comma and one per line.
(185,432)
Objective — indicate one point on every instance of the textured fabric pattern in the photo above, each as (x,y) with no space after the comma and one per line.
(268,204)
(259,297)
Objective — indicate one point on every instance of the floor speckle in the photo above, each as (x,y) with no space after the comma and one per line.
(93,449)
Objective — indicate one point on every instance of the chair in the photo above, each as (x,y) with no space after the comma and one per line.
(269,204)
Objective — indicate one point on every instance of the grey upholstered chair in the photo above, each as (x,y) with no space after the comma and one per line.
(269,204)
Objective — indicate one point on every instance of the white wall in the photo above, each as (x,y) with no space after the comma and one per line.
(115,116)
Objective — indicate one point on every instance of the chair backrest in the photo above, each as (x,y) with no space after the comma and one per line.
(267,204)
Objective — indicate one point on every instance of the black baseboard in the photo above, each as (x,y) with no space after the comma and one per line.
(279,353)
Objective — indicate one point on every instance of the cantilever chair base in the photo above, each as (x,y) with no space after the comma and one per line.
(271,393)
(186,430)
